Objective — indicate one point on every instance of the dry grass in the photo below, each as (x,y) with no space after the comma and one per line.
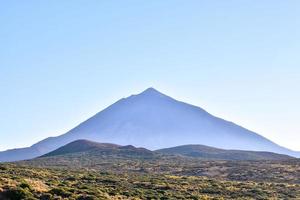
(37,185)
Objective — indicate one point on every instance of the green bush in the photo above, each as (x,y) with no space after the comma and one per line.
(86,197)
(25,185)
(46,196)
(18,194)
(60,192)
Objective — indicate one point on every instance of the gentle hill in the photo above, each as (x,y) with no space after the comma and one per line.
(81,146)
(154,121)
(206,152)
(83,154)
(89,148)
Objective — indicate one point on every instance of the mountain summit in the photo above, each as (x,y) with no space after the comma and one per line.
(154,120)
(151,91)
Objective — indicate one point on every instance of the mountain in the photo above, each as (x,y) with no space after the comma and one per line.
(206,152)
(154,121)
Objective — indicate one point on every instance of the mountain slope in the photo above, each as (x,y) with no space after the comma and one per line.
(206,152)
(154,121)
(19,154)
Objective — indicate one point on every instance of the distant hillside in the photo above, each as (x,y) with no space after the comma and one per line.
(92,149)
(182,160)
(88,154)
(206,152)
(195,151)
(81,146)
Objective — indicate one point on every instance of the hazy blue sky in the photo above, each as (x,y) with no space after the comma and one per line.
(63,61)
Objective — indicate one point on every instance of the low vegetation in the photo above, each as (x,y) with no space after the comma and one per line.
(278,171)
(24,182)
(125,172)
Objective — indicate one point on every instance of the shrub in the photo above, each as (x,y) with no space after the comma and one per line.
(18,194)
(85,197)
(25,185)
(46,196)
(60,192)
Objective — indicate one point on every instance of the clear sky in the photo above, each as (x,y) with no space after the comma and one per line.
(63,61)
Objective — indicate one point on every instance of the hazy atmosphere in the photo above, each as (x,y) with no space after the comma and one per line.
(61,63)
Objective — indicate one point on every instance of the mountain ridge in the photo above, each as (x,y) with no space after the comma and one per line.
(91,148)
(97,150)
(80,146)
